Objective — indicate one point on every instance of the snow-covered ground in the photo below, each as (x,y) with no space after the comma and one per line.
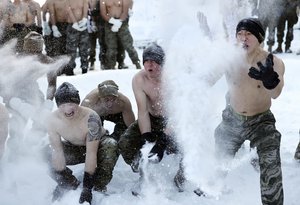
(24,179)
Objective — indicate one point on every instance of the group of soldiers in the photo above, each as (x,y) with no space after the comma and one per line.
(279,16)
(76,130)
(71,26)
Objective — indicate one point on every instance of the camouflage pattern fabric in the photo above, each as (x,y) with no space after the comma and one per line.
(77,39)
(111,41)
(131,142)
(260,130)
(120,125)
(107,157)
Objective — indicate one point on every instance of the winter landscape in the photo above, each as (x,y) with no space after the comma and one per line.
(194,107)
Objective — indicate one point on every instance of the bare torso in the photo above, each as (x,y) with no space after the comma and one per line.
(115,8)
(153,90)
(19,14)
(34,12)
(60,11)
(72,130)
(248,96)
(78,8)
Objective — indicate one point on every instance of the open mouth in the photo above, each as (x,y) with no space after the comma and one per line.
(69,114)
(245,46)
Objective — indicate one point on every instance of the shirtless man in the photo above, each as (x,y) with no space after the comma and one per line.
(77,34)
(18,21)
(77,136)
(115,15)
(111,105)
(59,22)
(35,17)
(3,128)
(47,32)
(247,115)
(151,122)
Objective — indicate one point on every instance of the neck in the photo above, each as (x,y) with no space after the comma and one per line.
(251,57)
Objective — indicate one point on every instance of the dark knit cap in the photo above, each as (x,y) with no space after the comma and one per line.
(252,25)
(33,42)
(108,88)
(155,53)
(66,93)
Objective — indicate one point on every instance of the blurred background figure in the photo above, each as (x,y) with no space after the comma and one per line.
(269,12)
(288,17)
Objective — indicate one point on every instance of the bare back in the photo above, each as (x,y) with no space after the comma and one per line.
(120,105)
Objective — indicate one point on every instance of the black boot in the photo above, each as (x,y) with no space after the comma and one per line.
(278,49)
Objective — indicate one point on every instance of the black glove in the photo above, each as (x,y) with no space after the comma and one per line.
(266,74)
(88,183)
(19,26)
(158,149)
(66,179)
(39,30)
(149,136)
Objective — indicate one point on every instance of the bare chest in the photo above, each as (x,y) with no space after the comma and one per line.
(74,132)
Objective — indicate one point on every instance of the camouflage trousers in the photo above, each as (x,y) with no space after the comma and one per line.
(57,46)
(124,38)
(131,141)
(107,157)
(19,34)
(120,126)
(261,131)
(291,18)
(77,39)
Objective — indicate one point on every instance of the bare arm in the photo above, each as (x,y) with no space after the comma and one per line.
(124,14)
(39,16)
(58,157)
(103,10)
(51,77)
(92,142)
(128,114)
(141,100)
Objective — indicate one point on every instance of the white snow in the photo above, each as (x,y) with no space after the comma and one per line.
(196,108)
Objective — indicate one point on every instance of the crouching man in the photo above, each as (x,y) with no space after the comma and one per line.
(75,133)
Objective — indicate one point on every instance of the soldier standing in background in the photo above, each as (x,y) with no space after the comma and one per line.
(115,14)
(77,34)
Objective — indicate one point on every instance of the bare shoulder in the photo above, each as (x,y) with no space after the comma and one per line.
(52,119)
(90,98)
(124,100)
(139,77)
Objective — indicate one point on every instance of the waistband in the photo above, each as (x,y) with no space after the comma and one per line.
(245,117)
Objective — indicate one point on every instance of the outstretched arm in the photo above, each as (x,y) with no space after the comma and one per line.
(202,19)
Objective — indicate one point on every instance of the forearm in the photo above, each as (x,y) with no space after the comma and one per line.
(144,123)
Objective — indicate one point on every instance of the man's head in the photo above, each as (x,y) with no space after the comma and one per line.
(155,53)
(66,93)
(108,88)
(252,25)
(33,42)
